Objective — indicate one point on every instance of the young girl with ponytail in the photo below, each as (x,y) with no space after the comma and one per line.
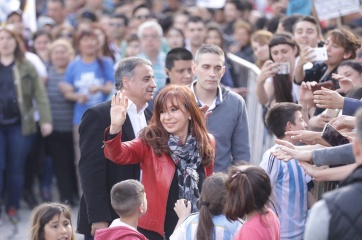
(248,190)
(209,223)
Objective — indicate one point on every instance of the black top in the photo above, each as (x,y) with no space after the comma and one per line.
(9,108)
(173,195)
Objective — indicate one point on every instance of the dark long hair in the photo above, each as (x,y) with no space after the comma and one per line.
(212,200)
(248,189)
(43,214)
(156,135)
(282,83)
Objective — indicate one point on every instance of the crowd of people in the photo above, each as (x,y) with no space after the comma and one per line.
(139,112)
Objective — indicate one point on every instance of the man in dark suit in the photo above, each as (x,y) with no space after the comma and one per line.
(134,76)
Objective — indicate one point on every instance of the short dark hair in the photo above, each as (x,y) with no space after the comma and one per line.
(121,16)
(139,7)
(282,38)
(177,54)
(238,5)
(354,64)
(196,19)
(310,19)
(288,22)
(279,115)
(126,197)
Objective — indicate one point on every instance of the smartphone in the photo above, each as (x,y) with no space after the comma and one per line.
(332,113)
(320,54)
(283,68)
(333,137)
(328,84)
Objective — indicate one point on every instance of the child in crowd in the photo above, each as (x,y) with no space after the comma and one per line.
(248,189)
(51,221)
(210,222)
(289,182)
(128,199)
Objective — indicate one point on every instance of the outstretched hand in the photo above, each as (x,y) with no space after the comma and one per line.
(287,151)
(119,107)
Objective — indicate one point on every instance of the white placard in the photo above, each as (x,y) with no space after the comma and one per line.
(211,3)
(327,9)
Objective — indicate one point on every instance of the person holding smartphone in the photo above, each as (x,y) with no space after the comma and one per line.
(307,34)
(274,85)
(341,45)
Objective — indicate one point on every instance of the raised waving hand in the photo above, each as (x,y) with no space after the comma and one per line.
(119,107)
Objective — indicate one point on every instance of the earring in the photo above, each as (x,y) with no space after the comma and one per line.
(189,117)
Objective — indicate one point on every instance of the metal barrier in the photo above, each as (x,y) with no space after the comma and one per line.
(260,139)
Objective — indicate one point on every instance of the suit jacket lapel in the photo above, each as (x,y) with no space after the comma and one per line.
(127,129)
(148,114)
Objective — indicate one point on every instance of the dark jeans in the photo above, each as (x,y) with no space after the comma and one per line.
(14,148)
(59,145)
(38,164)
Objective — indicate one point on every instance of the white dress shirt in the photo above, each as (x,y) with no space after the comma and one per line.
(138,119)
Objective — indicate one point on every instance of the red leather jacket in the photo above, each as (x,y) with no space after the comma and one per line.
(157,175)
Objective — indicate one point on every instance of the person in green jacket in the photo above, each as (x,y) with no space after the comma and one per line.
(19,86)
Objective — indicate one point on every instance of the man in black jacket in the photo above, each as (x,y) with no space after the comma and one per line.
(339,214)
(134,76)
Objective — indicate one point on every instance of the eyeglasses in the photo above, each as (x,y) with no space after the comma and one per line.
(140,17)
(66,35)
(151,37)
(118,25)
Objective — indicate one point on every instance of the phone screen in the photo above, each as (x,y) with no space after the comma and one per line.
(333,137)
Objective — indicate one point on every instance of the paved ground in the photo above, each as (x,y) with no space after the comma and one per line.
(20,231)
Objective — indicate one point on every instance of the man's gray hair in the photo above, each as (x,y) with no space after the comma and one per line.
(125,68)
(209,48)
(149,24)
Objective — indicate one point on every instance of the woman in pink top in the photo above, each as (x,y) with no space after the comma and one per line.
(248,192)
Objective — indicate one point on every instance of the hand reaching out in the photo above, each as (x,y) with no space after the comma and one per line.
(182,209)
(327,98)
(343,122)
(305,136)
(119,107)
(287,151)
(345,83)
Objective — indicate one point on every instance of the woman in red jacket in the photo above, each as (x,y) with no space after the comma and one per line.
(175,151)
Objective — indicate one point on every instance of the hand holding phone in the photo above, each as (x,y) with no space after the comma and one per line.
(327,84)
(283,68)
(320,54)
(333,137)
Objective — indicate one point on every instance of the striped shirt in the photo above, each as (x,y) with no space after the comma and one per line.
(62,110)
(224,229)
(289,195)
(158,68)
